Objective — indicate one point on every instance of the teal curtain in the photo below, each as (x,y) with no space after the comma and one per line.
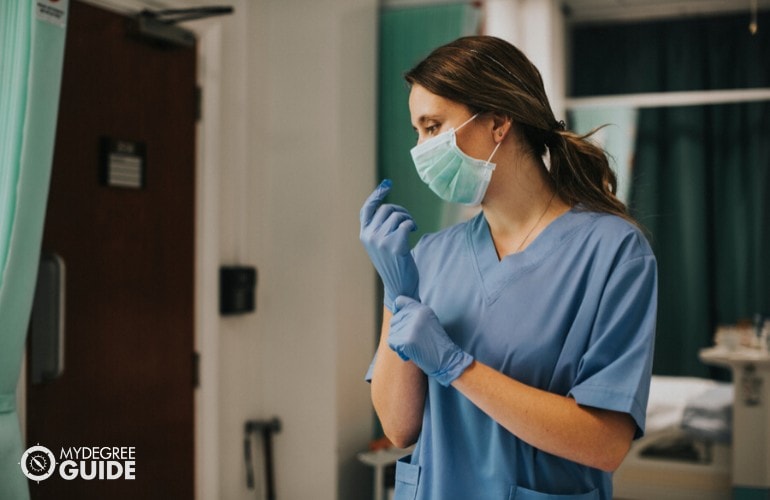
(407,35)
(701,174)
(31,55)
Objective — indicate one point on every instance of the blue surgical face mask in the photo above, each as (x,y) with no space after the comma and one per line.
(451,174)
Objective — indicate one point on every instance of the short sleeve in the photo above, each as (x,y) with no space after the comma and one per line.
(614,373)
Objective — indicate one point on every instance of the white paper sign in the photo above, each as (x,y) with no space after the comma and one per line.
(52,11)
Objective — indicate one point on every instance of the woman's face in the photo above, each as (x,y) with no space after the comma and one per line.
(432,115)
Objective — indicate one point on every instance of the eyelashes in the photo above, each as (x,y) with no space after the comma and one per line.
(429,130)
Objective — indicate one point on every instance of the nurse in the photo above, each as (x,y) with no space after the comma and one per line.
(516,347)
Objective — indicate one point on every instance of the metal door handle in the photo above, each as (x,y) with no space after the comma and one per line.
(46,325)
(267,428)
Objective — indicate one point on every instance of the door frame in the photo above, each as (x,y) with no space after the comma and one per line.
(206,305)
(207,259)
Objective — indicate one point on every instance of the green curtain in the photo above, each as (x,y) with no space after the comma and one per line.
(32,46)
(407,35)
(701,178)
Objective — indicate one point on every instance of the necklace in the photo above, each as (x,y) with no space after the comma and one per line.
(536,223)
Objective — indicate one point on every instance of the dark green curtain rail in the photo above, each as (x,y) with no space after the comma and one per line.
(701,178)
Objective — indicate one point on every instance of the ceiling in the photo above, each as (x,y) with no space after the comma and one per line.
(628,10)
(577,11)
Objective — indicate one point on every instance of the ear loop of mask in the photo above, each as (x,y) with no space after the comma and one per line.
(493,152)
(466,122)
(496,147)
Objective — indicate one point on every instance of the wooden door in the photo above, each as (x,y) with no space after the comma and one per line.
(128,252)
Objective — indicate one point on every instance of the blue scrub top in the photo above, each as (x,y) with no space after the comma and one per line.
(573,314)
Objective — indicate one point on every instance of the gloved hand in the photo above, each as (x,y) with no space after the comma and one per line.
(417,335)
(384,232)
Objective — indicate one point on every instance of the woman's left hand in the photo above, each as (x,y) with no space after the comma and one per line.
(417,335)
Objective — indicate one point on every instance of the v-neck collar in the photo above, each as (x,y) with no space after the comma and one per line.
(495,274)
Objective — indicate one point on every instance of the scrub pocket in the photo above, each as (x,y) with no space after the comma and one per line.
(519,493)
(407,479)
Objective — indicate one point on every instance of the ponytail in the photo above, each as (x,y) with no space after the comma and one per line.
(582,174)
(579,168)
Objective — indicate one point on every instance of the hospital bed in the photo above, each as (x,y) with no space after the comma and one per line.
(686,452)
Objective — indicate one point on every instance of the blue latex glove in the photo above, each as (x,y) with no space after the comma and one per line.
(417,335)
(385,232)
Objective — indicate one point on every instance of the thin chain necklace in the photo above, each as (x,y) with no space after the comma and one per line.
(536,223)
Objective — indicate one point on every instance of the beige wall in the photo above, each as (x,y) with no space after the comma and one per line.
(297,149)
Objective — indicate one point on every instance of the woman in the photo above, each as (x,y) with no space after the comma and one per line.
(516,347)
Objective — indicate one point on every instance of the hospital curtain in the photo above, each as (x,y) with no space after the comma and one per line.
(407,35)
(31,54)
(701,174)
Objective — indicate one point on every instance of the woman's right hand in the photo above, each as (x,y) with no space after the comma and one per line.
(384,233)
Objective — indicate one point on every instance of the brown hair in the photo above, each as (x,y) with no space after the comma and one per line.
(488,74)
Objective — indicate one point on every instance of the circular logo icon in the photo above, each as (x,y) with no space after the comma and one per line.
(38,463)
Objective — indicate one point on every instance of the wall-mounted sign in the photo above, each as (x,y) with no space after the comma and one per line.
(123,163)
(52,11)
